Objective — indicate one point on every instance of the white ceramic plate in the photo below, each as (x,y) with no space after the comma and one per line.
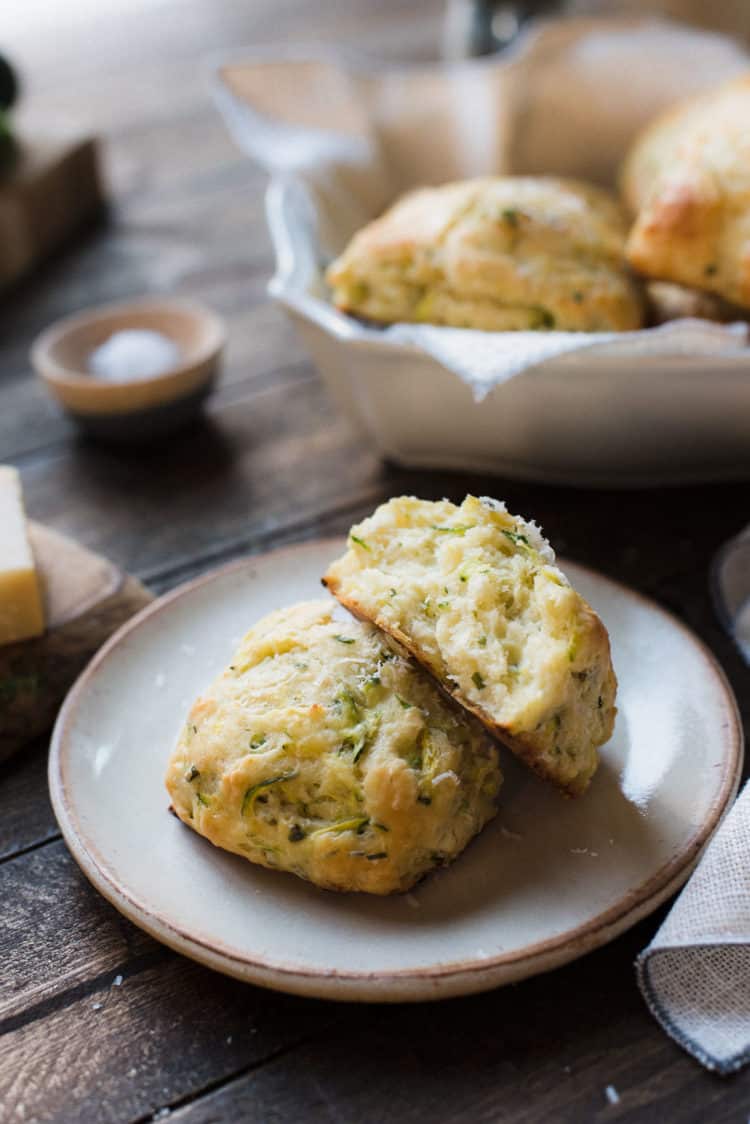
(548,880)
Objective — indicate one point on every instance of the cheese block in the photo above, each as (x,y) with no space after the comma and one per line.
(21,612)
(86,598)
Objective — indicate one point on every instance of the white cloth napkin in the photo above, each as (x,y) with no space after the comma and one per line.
(695,974)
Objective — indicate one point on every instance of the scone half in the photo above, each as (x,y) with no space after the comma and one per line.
(473,593)
(323,752)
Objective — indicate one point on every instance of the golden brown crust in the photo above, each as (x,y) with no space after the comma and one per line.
(687,179)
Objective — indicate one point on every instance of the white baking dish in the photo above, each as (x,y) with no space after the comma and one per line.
(607,415)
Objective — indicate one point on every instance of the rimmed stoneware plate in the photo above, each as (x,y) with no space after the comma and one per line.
(548,880)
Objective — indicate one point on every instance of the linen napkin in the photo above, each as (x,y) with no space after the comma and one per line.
(695,974)
(563,102)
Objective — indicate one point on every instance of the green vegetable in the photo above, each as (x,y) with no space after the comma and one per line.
(511,216)
(516,538)
(357,825)
(254,791)
(406,705)
(365,734)
(258,741)
(478,682)
(349,705)
(192,773)
(543,319)
(359,542)
(203,799)
(459,530)
(345,639)
(482,641)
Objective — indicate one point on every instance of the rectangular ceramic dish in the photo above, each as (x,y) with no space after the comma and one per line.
(336,140)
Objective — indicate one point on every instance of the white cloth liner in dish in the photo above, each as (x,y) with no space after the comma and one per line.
(564,102)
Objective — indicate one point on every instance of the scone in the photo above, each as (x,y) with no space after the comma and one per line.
(474,594)
(499,254)
(687,180)
(323,752)
(667,301)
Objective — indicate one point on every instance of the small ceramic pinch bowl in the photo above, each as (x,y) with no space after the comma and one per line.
(137,408)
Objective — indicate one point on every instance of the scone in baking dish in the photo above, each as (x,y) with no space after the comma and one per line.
(342,143)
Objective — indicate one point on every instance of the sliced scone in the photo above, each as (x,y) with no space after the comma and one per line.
(323,752)
(473,593)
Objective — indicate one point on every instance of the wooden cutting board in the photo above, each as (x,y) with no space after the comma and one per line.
(86,599)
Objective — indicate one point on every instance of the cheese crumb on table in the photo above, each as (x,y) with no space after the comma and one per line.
(21,611)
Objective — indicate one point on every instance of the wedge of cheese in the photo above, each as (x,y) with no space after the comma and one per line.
(21,611)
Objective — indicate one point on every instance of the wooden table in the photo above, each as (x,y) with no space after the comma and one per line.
(273,463)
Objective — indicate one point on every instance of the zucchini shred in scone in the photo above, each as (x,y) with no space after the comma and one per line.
(474,594)
(322,751)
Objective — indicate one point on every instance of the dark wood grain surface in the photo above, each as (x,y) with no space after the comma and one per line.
(272,462)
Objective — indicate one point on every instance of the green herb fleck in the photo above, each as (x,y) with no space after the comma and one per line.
(478,682)
(255,790)
(510,215)
(482,641)
(359,542)
(258,741)
(203,799)
(392,592)
(406,705)
(192,773)
(543,319)
(345,639)
(516,538)
(357,825)
(459,530)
